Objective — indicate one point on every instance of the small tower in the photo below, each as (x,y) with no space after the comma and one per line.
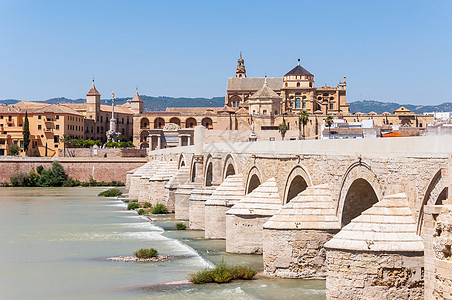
(93,102)
(136,104)
(240,72)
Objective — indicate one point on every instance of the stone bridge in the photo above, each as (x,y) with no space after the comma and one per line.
(286,199)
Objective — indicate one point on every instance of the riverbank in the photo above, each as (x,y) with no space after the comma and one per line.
(53,240)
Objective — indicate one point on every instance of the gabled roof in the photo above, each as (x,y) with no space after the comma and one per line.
(253,83)
(265,92)
(57,109)
(298,70)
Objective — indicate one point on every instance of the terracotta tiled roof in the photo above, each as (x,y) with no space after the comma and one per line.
(93,91)
(118,109)
(195,110)
(136,97)
(57,109)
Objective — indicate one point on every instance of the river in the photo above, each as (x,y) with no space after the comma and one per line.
(52,241)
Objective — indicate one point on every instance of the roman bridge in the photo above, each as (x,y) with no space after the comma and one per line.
(256,195)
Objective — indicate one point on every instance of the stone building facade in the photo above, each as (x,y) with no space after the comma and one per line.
(261,104)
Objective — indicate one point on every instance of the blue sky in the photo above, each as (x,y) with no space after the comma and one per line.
(389,50)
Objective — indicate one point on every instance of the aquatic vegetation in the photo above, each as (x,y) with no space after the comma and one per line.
(180,226)
(110,193)
(132,206)
(146,253)
(159,208)
(222,273)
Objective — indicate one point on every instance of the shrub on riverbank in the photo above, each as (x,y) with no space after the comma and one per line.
(110,193)
(147,205)
(55,176)
(146,253)
(132,206)
(159,208)
(180,226)
(222,273)
(141,211)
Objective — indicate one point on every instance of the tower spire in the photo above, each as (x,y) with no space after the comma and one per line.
(298,61)
(240,72)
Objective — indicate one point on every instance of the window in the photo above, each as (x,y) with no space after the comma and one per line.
(101,119)
(276,112)
(57,127)
(298,84)
(57,117)
(10,118)
(39,117)
(97,129)
(106,119)
(39,127)
(331,98)
(304,104)
(325,94)
(122,120)
(48,117)
(127,121)
(56,139)
(297,94)
(319,98)
(2,142)
(291,97)
(304,97)
(420,125)
(48,127)
(264,112)
(297,103)
(331,106)
(1,117)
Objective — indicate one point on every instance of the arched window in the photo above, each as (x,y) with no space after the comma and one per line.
(298,84)
(297,103)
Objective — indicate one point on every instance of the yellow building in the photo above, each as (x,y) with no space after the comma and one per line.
(48,123)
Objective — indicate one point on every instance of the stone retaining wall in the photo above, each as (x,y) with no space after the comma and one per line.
(101,169)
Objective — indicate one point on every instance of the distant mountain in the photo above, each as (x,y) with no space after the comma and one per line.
(160,103)
(367,106)
(150,103)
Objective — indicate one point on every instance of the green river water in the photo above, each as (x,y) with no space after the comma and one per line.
(52,241)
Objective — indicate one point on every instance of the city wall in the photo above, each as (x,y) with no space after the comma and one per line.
(101,169)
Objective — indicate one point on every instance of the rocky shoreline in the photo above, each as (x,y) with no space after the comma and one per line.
(136,259)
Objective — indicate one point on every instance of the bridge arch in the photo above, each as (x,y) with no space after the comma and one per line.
(297,181)
(181,163)
(208,171)
(360,189)
(435,194)
(230,167)
(253,180)
(192,169)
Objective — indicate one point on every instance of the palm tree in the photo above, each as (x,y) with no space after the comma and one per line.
(329,121)
(303,119)
(64,139)
(282,128)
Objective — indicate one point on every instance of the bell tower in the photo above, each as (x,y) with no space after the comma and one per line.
(136,104)
(92,102)
(240,72)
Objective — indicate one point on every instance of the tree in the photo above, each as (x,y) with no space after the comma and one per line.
(26,133)
(329,121)
(282,128)
(13,149)
(64,139)
(303,117)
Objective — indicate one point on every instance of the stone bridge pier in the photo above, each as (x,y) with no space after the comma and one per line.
(322,187)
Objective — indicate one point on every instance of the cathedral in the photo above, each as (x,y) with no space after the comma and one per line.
(290,94)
